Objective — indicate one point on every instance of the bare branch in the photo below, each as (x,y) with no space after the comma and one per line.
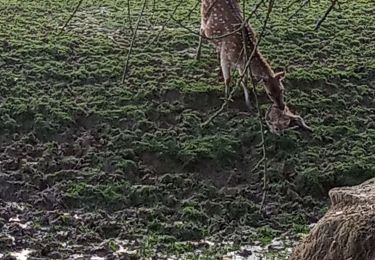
(225,103)
(129,17)
(254,83)
(205,37)
(179,22)
(247,66)
(303,4)
(334,2)
(192,9)
(290,5)
(71,17)
(133,41)
(166,22)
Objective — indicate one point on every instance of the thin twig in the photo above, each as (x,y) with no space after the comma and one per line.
(130,18)
(203,36)
(290,5)
(133,41)
(156,39)
(192,10)
(247,66)
(334,2)
(257,7)
(233,172)
(226,101)
(304,3)
(258,163)
(179,22)
(243,25)
(254,83)
(265,166)
(71,17)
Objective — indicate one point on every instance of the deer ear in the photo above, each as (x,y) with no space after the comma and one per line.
(280,75)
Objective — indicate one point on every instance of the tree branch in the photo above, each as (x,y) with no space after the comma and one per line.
(70,17)
(133,41)
(333,3)
(129,17)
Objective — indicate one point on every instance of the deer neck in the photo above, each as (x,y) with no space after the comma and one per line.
(260,67)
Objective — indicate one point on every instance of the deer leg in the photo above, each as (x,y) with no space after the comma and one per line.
(225,67)
(199,50)
(301,123)
(246,94)
(220,73)
(245,90)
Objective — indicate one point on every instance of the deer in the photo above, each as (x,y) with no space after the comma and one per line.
(221,22)
(281,121)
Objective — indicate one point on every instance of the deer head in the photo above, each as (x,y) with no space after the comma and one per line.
(275,88)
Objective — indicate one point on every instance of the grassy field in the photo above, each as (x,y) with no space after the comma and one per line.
(92,166)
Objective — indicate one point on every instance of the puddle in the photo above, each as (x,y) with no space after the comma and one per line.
(12,238)
(24,226)
(279,249)
(22,255)
(123,250)
(15,219)
(97,258)
(15,205)
(276,250)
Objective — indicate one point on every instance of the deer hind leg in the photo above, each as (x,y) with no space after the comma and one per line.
(225,68)
(244,87)
(220,73)
(301,123)
(199,49)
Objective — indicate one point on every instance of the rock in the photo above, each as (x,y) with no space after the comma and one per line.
(347,231)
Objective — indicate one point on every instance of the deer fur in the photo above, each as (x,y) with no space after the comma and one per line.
(220,17)
(280,121)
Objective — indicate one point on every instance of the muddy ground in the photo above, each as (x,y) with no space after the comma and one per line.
(94,168)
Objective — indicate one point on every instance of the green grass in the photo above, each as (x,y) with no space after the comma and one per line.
(66,116)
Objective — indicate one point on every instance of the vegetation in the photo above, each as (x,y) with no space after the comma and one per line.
(91,159)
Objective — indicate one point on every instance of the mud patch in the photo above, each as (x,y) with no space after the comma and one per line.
(91,167)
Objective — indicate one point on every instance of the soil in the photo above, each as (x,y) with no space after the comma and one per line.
(93,167)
